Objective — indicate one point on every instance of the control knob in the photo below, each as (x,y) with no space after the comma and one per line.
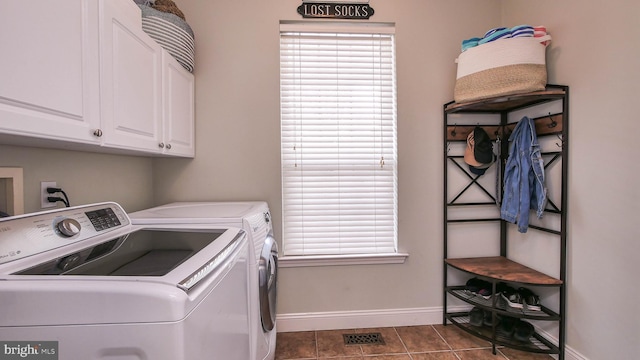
(68,227)
(69,262)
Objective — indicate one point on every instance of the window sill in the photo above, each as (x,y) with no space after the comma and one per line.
(333,260)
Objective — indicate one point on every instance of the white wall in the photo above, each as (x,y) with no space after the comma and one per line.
(238,133)
(85,177)
(595,51)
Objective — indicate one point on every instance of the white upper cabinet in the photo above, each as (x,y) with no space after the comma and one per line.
(178,113)
(49,69)
(82,74)
(131,81)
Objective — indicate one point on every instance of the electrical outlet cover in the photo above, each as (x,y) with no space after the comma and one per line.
(44,203)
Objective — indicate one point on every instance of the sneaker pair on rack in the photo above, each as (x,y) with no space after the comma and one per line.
(506,326)
(479,317)
(522,298)
(518,329)
(479,287)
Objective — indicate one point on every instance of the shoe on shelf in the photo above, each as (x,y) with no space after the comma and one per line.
(512,297)
(507,326)
(479,287)
(476,316)
(531,300)
(501,287)
(488,318)
(523,331)
(486,292)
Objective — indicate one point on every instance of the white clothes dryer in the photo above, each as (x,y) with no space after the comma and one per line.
(86,280)
(254,217)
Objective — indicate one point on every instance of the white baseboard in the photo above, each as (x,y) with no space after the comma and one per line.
(357,319)
(336,320)
(569,352)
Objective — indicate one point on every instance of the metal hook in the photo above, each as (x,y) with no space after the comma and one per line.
(553,123)
(561,141)
(453,132)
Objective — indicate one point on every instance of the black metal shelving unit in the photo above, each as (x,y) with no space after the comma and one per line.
(500,268)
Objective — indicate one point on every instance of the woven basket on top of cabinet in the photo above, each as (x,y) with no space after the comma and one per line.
(501,67)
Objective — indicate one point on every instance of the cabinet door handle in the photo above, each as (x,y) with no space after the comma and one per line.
(169,146)
(161,145)
(97,133)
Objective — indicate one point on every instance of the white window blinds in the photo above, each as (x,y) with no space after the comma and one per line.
(338,124)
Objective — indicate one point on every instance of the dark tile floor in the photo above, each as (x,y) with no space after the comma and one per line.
(429,342)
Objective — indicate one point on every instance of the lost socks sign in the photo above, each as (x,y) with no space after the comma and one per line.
(335,10)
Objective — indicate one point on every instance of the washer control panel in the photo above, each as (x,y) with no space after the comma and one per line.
(103,219)
(25,235)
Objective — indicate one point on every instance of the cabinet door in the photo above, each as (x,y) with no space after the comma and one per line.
(49,80)
(178,114)
(130,80)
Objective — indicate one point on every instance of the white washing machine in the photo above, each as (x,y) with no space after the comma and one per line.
(254,217)
(89,285)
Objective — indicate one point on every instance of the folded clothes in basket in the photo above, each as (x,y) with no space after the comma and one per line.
(508,65)
(504,33)
(495,34)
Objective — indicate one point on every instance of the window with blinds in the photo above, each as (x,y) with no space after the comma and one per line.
(338,135)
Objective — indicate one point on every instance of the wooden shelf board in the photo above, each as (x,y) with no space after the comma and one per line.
(506,103)
(503,269)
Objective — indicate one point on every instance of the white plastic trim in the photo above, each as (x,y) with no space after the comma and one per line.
(332,260)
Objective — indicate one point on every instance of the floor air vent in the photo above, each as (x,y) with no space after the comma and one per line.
(363,339)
